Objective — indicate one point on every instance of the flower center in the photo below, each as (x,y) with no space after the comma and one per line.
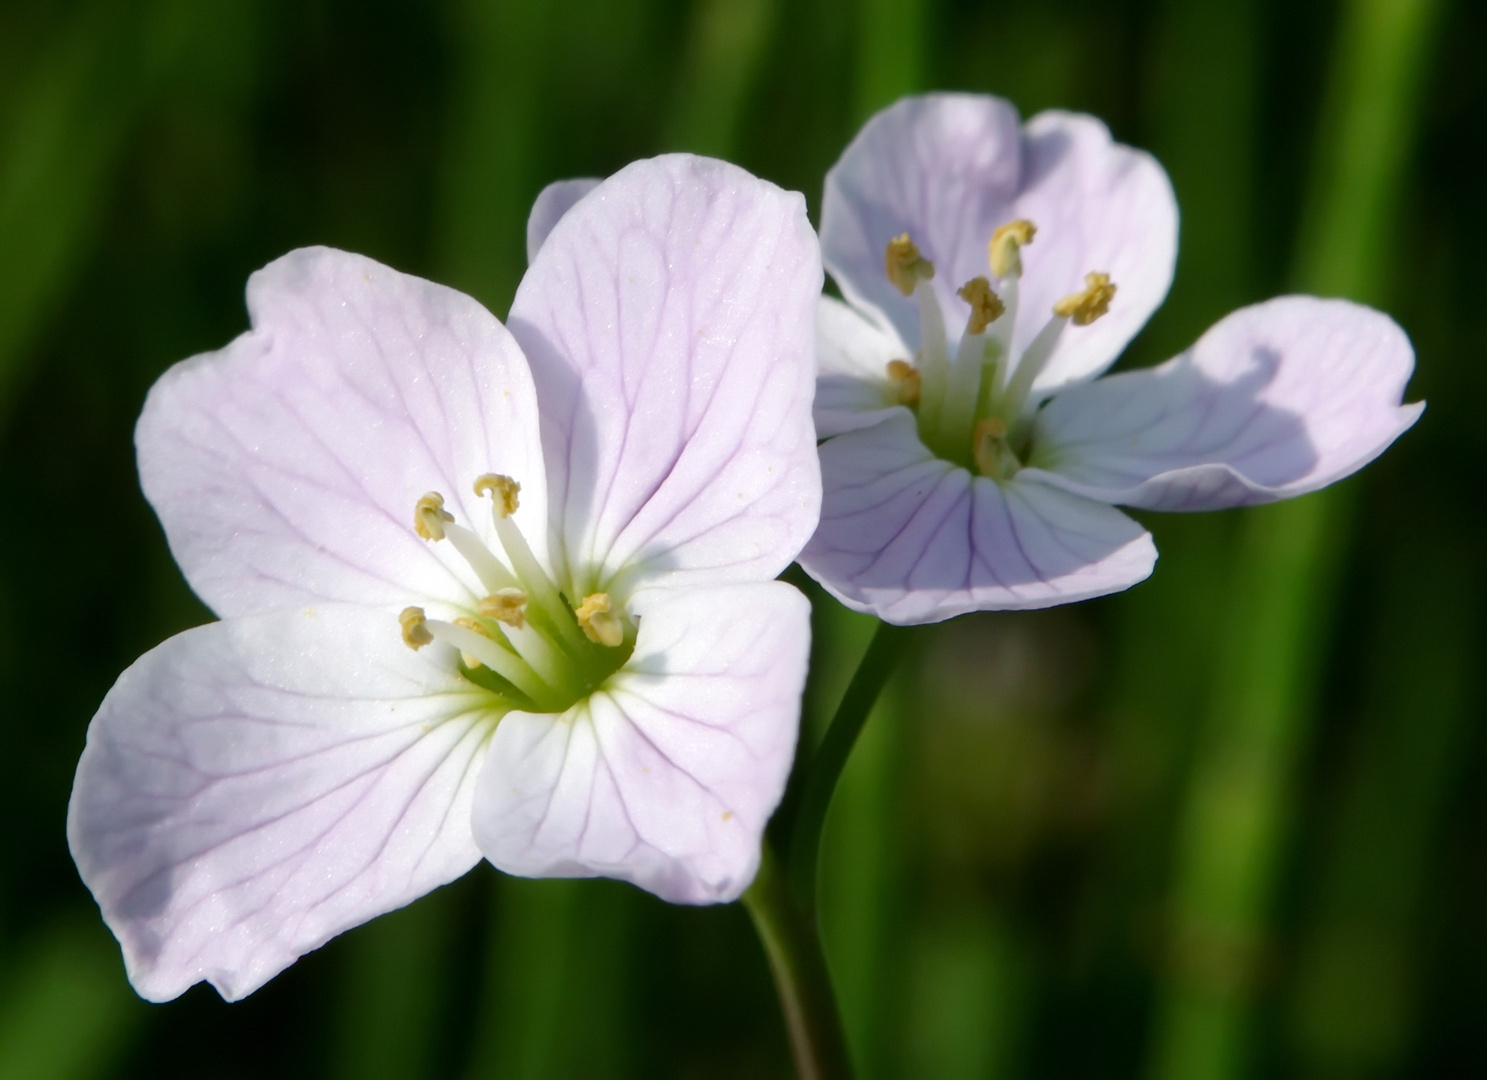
(523,641)
(976,407)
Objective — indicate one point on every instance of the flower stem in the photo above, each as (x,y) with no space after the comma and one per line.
(793,945)
(825,768)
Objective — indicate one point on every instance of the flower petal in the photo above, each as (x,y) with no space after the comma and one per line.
(669,322)
(949,168)
(666,776)
(285,467)
(552,203)
(944,168)
(912,538)
(1275,400)
(852,357)
(252,788)
(1098,205)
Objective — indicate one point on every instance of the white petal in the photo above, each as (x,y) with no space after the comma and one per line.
(285,467)
(1275,400)
(552,203)
(913,539)
(667,775)
(669,322)
(1101,206)
(944,168)
(852,357)
(252,788)
(949,168)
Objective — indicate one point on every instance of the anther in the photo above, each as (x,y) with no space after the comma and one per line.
(415,634)
(598,623)
(502,489)
(507,606)
(986,306)
(906,382)
(1087,305)
(1003,251)
(904,265)
(429,516)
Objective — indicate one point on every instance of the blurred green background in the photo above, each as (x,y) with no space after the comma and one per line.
(1228,824)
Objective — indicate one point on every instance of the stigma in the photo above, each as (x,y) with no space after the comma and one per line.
(599,624)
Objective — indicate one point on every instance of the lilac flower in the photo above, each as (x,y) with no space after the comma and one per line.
(483,591)
(992,271)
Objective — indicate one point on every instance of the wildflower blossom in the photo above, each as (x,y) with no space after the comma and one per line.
(483,591)
(973,460)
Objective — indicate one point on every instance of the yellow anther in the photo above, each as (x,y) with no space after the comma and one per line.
(1087,305)
(905,379)
(598,623)
(507,606)
(429,517)
(904,265)
(1003,251)
(986,306)
(994,458)
(415,634)
(502,489)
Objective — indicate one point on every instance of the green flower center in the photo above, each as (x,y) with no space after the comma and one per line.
(976,408)
(525,642)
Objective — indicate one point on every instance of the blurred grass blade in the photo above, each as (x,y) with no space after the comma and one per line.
(393,993)
(1357,985)
(726,45)
(59,137)
(67,1012)
(890,52)
(560,991)
(489,177)
(1233,825)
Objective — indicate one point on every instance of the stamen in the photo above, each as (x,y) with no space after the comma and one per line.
(415,632)
(994,458)
(986,306)
(599,624)
(1003,251)
(429,516)
(470,624)
(906,382)
(1087,305)
(508,606)
(492,654)
(502,489)
(904,265)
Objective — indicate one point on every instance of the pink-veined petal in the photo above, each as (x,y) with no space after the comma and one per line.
(551,204)
(1099,206)
(949,168)
(669,322)
(285,468)
(253,787)
(852,357)
(666,776)
(912,538)
(1275,400)
(944,168)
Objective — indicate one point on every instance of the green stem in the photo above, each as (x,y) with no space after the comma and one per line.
(788,933)
(825,768)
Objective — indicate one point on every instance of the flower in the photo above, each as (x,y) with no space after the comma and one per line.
(483,590)
(991,272)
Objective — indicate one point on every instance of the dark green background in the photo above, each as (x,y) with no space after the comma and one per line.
(1228,824)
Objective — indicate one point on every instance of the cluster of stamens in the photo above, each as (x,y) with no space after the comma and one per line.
(977,406)
(523,634)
